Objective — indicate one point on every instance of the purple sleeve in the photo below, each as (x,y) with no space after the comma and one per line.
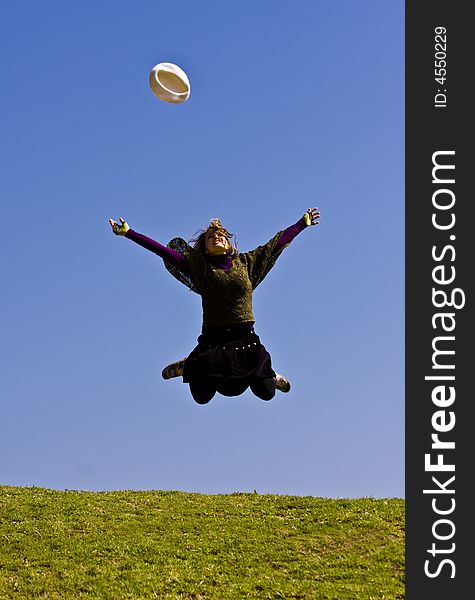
(177,259)
(290,233)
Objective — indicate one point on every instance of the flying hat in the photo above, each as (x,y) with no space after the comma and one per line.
(169,83)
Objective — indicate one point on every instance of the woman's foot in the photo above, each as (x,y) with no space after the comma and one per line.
(174,370)
(282,383)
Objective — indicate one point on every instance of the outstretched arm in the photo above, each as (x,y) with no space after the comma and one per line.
(177,259)
(261,260)
(311,217)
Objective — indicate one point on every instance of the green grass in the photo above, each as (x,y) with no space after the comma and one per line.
(167,545)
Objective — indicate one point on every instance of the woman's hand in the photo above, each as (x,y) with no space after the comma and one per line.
(312,216)
(121,229)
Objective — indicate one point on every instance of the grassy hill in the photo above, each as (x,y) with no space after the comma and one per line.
(167,545)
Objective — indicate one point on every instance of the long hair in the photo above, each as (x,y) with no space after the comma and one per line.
(199,241)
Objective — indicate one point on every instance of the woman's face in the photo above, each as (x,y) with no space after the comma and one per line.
(216,242)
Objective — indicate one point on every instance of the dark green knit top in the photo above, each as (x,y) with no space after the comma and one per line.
(225,284)
(227,294)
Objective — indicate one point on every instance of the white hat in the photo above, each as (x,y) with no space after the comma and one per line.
(169,83)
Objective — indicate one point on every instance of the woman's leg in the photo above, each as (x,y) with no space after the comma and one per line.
(263,388)
(202,391)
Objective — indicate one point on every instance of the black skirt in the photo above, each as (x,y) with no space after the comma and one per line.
(231,352)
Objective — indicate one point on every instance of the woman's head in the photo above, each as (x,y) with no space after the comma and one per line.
(215,240)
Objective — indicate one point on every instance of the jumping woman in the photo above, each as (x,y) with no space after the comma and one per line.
(229,356)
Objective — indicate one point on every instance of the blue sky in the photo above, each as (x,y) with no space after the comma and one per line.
(292,105)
